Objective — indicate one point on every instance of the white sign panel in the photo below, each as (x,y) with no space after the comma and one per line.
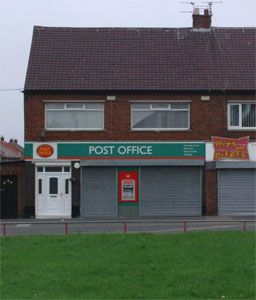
(45,151)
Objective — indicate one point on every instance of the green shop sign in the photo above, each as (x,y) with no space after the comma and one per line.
(28,150)
(124,150)
(127,150)
(130,150)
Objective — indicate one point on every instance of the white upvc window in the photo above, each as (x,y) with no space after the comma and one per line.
(74,116)
(160,116)
(242,116)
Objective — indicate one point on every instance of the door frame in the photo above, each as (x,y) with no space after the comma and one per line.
(44,187)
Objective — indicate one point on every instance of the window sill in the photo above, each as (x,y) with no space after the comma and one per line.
(157,130)
(241,129)
(73,130)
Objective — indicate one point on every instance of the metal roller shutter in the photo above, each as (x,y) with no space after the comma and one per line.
(237,192)
(99,192)
(170,191)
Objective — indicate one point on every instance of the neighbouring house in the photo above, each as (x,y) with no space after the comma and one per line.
(141,122)
(12,179)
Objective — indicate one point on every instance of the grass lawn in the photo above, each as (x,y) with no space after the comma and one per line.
(204,265)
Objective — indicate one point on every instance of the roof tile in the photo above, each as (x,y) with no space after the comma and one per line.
(141,59)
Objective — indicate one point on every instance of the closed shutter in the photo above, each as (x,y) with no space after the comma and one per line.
(237,192)
(99,192)
(170,191)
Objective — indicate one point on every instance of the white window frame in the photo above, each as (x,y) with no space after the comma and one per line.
(75,109)
(161,109)
(240,127)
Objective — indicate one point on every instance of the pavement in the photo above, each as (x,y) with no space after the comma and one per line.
(130,219)
(125,225)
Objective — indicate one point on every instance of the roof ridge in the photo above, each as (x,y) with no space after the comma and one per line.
(133,28)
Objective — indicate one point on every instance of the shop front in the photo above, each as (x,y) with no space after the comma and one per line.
(126,179)
(52,181)
(235,163)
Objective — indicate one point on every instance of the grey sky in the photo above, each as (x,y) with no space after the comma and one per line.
(19,16)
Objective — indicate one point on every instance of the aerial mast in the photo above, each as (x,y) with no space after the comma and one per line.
(210,4)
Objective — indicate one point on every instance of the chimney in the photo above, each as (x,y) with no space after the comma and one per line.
(11,141)
(202,21)
(2,138)
(16,141)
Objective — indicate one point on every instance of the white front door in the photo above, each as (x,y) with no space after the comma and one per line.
(53,192)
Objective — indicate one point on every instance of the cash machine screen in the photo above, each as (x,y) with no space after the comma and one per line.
(128,190)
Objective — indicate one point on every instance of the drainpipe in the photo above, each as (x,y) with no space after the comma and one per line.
(42,135)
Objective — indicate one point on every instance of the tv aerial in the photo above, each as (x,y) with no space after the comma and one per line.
(207,5)
(210,4)
(188,11)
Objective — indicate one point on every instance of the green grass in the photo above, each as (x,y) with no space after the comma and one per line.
(205,265)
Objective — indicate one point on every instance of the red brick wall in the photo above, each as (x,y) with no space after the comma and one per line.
(202,21)
(30,189)
(211,192)
(18,170)
(207,118)
(76,191)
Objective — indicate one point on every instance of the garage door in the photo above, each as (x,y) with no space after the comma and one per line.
(237,194)
(170,191)
(99,192)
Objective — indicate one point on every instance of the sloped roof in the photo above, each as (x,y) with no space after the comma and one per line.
(156,59)
(11,151)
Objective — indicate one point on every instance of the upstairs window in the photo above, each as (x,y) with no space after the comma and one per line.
(242,116)
(160,116)
(74,116)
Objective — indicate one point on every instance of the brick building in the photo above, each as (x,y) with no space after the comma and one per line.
(12,179)
(119,121)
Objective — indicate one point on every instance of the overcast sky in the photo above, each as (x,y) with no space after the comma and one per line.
(17,18)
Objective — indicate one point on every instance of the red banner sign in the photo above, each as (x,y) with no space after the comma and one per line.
(45,151)
(225,148)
